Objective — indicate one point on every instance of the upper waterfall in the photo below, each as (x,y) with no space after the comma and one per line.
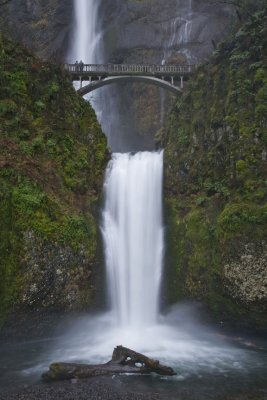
(86,45)
(178,32)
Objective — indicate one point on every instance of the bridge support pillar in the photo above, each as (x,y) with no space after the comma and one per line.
(172,80)
(182,82)
(81,82)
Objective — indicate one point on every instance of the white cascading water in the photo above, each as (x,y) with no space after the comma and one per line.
(133,236)
(179,32)
(85,45)
(132,219)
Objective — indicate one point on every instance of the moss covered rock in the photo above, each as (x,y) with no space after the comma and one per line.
(53,154)
(215,180)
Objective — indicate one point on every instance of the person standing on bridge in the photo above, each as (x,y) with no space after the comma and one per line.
(76,66)
(81,65)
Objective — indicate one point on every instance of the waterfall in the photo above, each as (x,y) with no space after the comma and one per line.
(179,32)
(132,231)
(133,236)
(177,37)
(85,45)
(132,218)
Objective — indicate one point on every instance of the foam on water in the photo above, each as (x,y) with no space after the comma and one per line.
(192,350)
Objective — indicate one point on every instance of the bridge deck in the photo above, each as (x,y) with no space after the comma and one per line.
(79,71)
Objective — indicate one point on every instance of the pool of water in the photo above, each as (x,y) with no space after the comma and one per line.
(206,362)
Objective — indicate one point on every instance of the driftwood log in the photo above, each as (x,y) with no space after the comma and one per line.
(123,361)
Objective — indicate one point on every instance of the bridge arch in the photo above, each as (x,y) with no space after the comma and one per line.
(94,85)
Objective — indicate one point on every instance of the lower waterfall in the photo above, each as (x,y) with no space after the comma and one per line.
(133,236)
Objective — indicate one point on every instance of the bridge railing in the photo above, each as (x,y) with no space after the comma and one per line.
(129,68)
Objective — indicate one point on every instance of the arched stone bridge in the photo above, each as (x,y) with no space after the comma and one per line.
(170,77)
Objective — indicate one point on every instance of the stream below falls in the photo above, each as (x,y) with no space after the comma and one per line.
(207,362)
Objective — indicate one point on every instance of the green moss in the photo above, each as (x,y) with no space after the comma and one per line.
(215,167)
(50,139)
(243,218)
(175,260)
(10,250)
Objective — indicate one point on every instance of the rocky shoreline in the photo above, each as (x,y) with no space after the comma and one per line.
(93,389)
(108,389)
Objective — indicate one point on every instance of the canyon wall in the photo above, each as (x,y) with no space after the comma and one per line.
(215,181)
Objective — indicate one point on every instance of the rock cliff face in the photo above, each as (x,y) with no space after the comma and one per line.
(186,26)
(176,31)
(133,31)
(245,275)
(215,176)
(157,27)
(43,25)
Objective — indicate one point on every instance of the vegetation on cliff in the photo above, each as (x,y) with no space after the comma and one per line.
(53,154)
(215,171)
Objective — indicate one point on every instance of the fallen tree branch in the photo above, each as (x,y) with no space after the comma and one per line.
(123,361)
